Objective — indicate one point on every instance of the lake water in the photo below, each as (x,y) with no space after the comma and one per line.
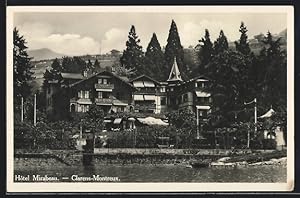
(158,173)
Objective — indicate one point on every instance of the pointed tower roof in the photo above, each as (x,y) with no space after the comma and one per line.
(175,73)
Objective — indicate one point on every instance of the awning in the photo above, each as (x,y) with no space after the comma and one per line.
(105,90)
(268,114)
(117,120)
(152,121)
(131,119)
(138,97)
(149,97)
(203,107)
(138,84)
(202,94)
(117,102)
(84,101)
(149,84)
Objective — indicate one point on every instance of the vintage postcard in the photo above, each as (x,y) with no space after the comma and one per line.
(150,98)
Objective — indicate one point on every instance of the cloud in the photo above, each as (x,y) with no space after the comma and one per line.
(39,35)
(191,32)
(114,38)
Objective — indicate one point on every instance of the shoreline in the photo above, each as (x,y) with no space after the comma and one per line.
(220,158)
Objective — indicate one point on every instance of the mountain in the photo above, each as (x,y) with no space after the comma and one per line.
(44,54)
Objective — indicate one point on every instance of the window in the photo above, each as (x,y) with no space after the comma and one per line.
(209,99)
(162,89)
(79,108)
(86,94)
(163,101)
(200,84)
(105,94)
(105,81)
(203,113)
(80,94)
(99,80)
(100,94)
(172,89)
(196,84)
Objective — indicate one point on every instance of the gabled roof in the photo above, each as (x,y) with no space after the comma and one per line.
(175,73)
(104,72)
(145,76)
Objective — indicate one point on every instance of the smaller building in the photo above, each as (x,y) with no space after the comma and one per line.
(150,95)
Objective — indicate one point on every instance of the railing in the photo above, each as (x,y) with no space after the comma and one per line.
(143,91)
(104,100)
(145,106)
(104,86)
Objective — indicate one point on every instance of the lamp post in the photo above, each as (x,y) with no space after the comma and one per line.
(34,111)
(255,119)
(198,134)
(22,109)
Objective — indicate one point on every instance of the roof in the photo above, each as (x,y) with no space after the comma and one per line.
(72,76)
(104,72)
(175,73)
(144,76)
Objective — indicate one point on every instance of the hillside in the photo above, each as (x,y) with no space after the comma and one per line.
(44,54)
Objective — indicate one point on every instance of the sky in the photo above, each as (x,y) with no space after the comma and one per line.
(83,33)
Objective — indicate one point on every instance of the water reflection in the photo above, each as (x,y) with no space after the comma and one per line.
(164,173)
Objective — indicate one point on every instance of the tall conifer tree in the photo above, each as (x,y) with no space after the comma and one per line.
(174,49)
(133,55)
(22,67)
(154,60)
(205,51)
(221,44)
(243,45)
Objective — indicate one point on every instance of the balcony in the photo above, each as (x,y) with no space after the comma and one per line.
(104,86)
(145,91)
(145,106)
(103,101)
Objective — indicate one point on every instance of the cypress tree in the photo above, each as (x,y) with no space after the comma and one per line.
(133,55)
(154,59)
(174,49)
(221,44)
(205,52)
(243,45)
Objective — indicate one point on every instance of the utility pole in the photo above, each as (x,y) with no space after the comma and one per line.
(198,134)
(22,109)
(34,111)
(255,120)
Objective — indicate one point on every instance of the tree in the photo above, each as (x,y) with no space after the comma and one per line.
(229,85)
(133,55)
(56,70)
(73,65)
(96,66)
(272,64)
(174,49)
(154,60)
(22,67)
(89,66)
(94,118)
(243,44)
(221,44)
(205,52)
